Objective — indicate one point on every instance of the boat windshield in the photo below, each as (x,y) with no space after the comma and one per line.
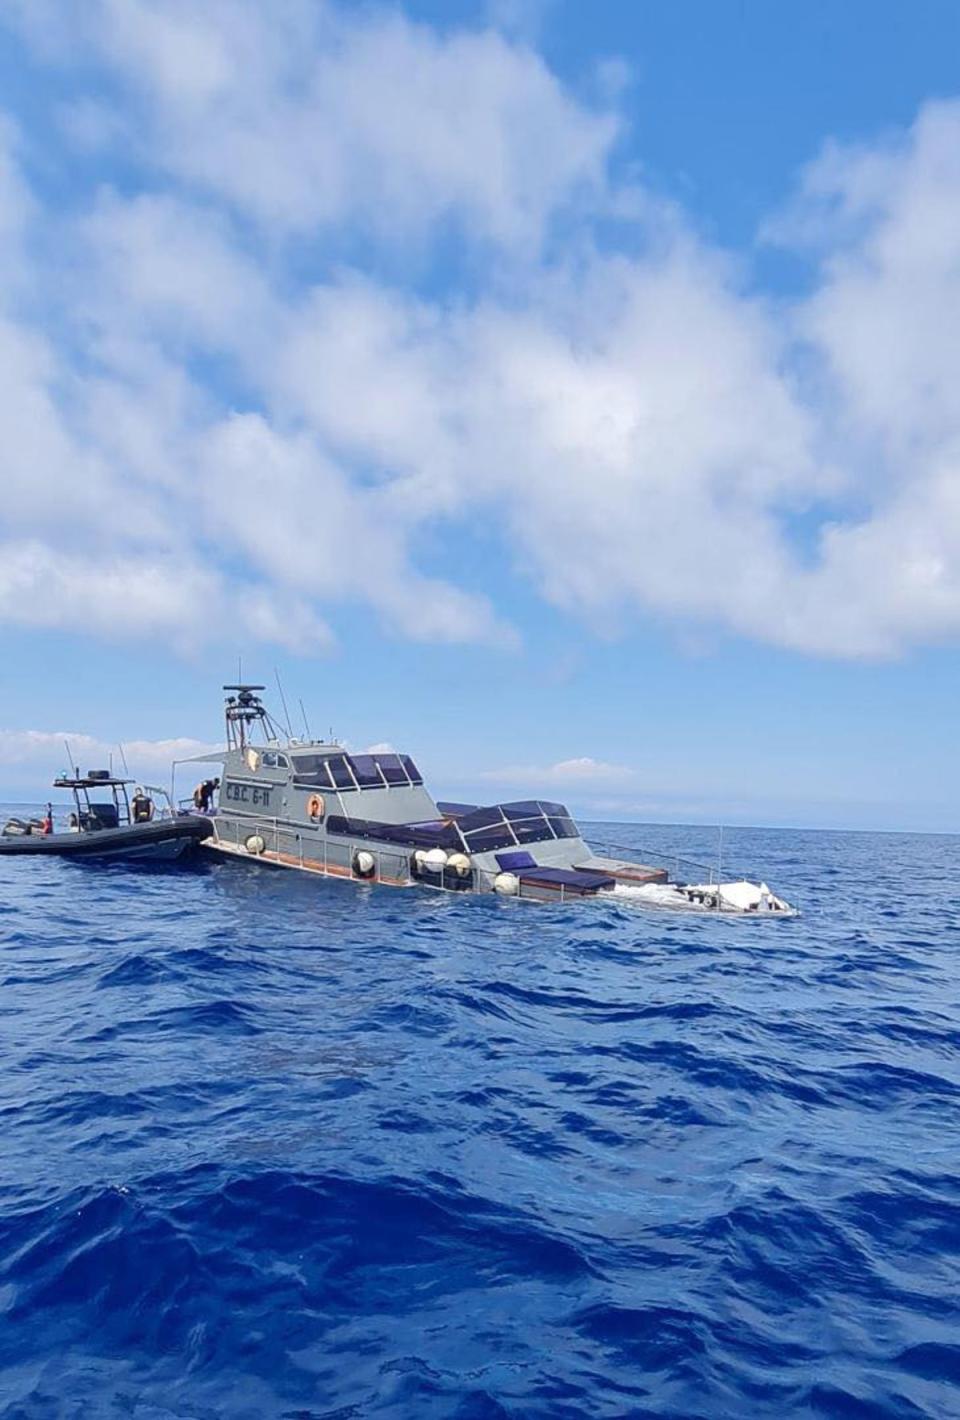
(506,825)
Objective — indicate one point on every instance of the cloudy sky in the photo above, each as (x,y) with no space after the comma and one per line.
(568,394)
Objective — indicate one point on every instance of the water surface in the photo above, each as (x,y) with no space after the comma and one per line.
(275,1147)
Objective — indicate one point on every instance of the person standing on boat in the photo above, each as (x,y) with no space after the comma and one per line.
(203,794)
(48,821)
(141,806)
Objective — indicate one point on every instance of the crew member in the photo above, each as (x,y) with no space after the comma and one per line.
(203,794)
(141,806)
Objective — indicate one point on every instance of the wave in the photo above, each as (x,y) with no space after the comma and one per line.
(275,1148)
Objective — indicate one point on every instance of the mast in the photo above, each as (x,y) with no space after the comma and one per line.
(243,710)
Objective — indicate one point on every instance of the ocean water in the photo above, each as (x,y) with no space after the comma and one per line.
(275,1147)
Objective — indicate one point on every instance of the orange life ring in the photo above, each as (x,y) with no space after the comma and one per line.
(316,807)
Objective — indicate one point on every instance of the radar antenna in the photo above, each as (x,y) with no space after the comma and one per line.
(243,710)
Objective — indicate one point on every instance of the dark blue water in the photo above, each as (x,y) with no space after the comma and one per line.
(279,1147)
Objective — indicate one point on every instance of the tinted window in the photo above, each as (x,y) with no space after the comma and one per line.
(413,772)
(410,834)
(555,810)
(308,763)
(365,771)
(481,818)
(339,772)
(526,808)
(564,827)
(532,830)
(451,810)
(391,768)
(310,771)
(283,761)
(484,840)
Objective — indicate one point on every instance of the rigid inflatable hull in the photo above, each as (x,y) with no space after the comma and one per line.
(156,842)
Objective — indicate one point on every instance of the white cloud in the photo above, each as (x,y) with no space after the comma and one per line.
(582,774)
(304,116)
(16,202)
(211,419)
(885,224)
(174,264)
(126,596)
(302,523)
(36,756)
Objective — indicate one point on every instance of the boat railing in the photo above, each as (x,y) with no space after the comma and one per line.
(284,843)
(337,856)
(162,803)
(683,870)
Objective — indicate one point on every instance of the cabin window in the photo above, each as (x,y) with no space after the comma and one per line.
(481,818)
(340,772)
(310,771)
(413,773)
(485,840)
(391,768)
(563,827)
(365,772)
(532,830)
(526,808)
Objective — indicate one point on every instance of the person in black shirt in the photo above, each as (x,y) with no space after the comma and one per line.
(203,794)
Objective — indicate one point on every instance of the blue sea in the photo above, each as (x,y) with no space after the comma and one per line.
(280,1147)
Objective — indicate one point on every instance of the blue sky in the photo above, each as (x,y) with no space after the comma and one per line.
(568,394)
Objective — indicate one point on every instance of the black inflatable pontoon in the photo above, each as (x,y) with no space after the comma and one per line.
(165,839)
(107,825)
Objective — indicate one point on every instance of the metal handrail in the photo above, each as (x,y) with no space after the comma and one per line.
(710,874)
(398,864)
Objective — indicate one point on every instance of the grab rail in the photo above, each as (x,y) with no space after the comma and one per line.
(710,875)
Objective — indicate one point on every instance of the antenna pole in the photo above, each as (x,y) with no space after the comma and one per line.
(304,714)
(283,702)
(123,757)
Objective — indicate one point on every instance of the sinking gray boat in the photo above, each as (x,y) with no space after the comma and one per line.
(314,806)
(106,825)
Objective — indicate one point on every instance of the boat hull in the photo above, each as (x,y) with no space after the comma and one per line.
(164,841)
